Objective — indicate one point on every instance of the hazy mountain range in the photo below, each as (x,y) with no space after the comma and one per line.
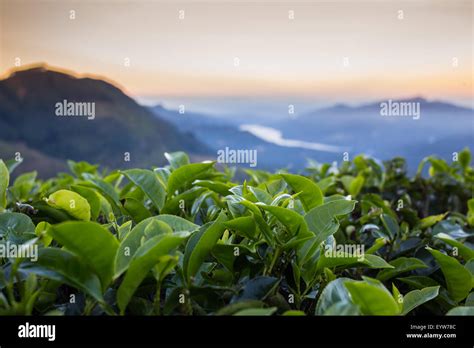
(29,124)
(441,128)
(218,133)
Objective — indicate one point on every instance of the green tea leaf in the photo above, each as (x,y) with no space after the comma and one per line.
(256,311)
(64,266)
(41,231)
(322,220)
(470,212)
(178,224)
(310,196)
(466,252)
(293,221)
(416,298)
(343,308)
(92,243)
(461,311)
(148,183)
(470,299)
(294,313)
(238,306)
(16,227)
(124,229)
(174,204)
(132,241)
(390,224)
(372,298)
(431,220)
(337,259)
(335,292)
(200,245)
(105,188)
(185,175)
(216,186)
(177,159)
(72,203)
(244,225)
(261,223)
(401,265)
(353,185)
(465,158)
(136,209)
(147,256)
(458,279)
(92,198)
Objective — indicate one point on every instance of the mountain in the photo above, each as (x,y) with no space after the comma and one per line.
(364,129)
(219,133)
(28,120)
(440,129)
(189,120)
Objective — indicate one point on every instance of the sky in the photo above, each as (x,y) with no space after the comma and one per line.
(314,52)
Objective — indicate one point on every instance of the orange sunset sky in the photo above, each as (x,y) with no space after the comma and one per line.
(427,49)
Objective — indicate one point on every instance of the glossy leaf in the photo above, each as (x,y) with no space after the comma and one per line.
(72,203)
(310,193)
(322,220)
(216,186)
(185,175)
(177,159)
(353,185)
(200,245)
(335,292)
(244,225)
(133,240)
(147,256)
(372,298)
(16,227)
(64,266)
(461,311)
(458,279)
(256,311)
(431,220)
(331,259)
(293,221)
(92,198)
(136,209)
(416,298)
(463,250)
(148,183)
(92,243)
(401,265)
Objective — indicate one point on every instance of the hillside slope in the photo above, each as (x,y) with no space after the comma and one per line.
(28,101)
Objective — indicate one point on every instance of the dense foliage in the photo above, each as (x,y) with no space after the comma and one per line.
(361,238)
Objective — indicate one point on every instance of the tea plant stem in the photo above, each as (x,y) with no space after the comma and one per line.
(10,294)
(89,307)
(157,303)
(9,287)
(298,301)
(276,255)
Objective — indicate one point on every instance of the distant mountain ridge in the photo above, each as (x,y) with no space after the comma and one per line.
(27,116)
(441,129)
(435,105)
(433,116)
(366,130)
(29,124)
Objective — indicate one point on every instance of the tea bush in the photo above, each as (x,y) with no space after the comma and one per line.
(362,238)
